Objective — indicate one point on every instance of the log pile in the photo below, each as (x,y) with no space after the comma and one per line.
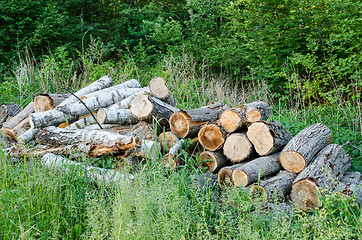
(237,147)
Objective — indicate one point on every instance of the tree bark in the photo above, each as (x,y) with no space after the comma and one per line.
(274,188)
(351,185)
(28,135)
(268,137)
(302,148)
(167,140)
(171,159)
(20,116)
(238,148)
(52,117)
(255,169)
(83,122)
(256,111)
(225,176)
(7,111)
(159,89)
(211,137)
(212,161)
(233,120)
(330,165)
(45,102)
(119,116)
(145,108)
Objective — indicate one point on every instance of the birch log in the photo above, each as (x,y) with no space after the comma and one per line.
(45,102)
(119,116)
(212,161)
(28,135)
(167,140)
(52,117)
(97,175)
(238,148)
(211,137)
(145,108)
(148,149)
(142,130)
(171,159)
(302,148)
(351,185)
(268,137)
(187,123)
(330,165)
(274,188)
(159,89)
(255,169)
(83,122)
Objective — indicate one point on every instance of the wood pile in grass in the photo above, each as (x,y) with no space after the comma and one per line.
(238,147)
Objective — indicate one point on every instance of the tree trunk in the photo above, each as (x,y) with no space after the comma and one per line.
(8,111)
(126,103)
(167,140)
(351,185)
(159,89)
(119,116)
(274,188)
(268,137)
(233,120)
(97,175)
(45,102)
(28,135)
(187,123)
(256,111)
(212,161)
(20,116)
(237,147)
(303,147)
(145,108)
(211,137)
(52,117)
(171,159)
(329,165)
(83,122)
(256,169)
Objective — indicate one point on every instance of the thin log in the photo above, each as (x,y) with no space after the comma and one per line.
(256,111)
(194,147)
(97,175)
(255,169)
(159,89)
(212,161)
(171,159)
(20,116)
(268,137)
(83,122)
(238,148)
(351,185)
(119,116)
(211,137)
(52,117)
(167,140)
(274,188)
(302,148)
(45,102)
(330,165)
(28,135)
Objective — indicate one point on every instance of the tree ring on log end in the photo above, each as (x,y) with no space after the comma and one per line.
(211,137)
(259,134)
(237,147)
(208,160)
(292,161)
(256,191)
(240,178)
(101,116)
(167,140)
(230,120)
(179,124)
(159,88)
(141,107)
(253,116)
(224,178)
(305,194)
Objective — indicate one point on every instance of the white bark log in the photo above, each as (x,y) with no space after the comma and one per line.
(119,116)
(28,135)
(83,122)
(171,158)
(167,140)
(49,118)
(148,149)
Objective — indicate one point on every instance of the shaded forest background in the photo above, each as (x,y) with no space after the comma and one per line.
(313,47)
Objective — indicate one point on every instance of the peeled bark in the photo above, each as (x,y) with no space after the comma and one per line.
(255,169)
(167,140)
(97,175)
(159,89)
(275,188)
(45,102)
(171,159)
(20,116)
(52,117)
(233,120)
(302,148)
(212,161)
(187,123)
(268,137)
(119,116)
(211,137)
(256,111)
(330,165)
(145,108)
(238,148)
(351,185)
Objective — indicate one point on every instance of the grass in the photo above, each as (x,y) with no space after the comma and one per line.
(36,203)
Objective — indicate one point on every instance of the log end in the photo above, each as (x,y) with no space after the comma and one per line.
(257,191)
(240,178)
(208,161)
(305,194)
(211,137)
(167,140)
(253,116)
(225,178)
(43,103)
(237,147)
(261,137)
(179,124)
(230,121)
(158,87)
(141,107)
(101,116)
(292,161)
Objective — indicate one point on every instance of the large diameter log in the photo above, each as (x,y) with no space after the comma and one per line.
(101,83)
(187,123)
(52,117)
(256,111)
(302,148)
(119,116)
(330,165)
(7,111)
(237,147)
(268,137)
(145,108)
(232,120)
(45,102)
(167,140)
(11,123)
(171,159)
(96,102)
(211,137)
(351,185)
(159,89)
(255,169)
(97,175)
(212,161)
(274,188)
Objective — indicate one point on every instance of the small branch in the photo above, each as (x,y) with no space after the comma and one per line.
(353,146)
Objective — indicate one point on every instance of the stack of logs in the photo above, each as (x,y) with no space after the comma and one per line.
(238,144)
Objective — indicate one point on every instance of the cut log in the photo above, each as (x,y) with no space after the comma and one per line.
(159,89)
(28,135)
(126,103)
(58,136)
(187,123)
(167,140)
(225,176)
(303,147)
(233,120)
(83,122)
(97,175)
(148,149)
(97,101)
(119,116)
(18,129)
(211,137)
(52,117)
(274,188)
(351,185)
(20,116)
(103,82)
(142,130)
(8,111)
(238,148)
(268,137)
(171,159)
(145,108)
(330,165)
(255,169)
(256,111)
(45,102)
(212,161)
